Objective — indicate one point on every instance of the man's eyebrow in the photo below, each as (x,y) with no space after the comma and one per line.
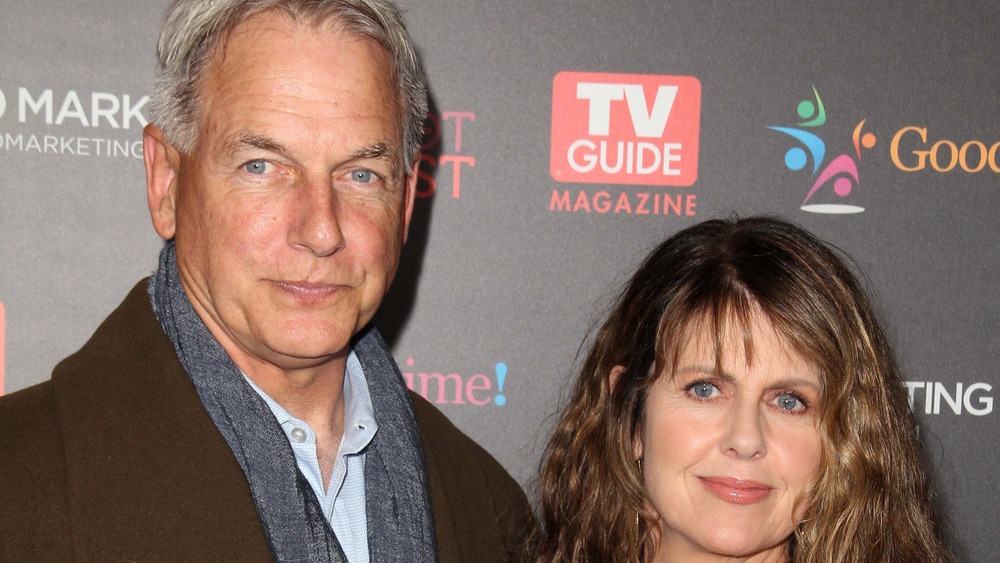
(380,151)
(255,140)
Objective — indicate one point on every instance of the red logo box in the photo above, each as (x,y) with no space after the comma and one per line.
(625,129)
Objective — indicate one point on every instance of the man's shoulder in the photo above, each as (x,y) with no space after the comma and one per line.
(129,321)
(127,357)
(31,419)
(431,419)
(442,439)
(32,474)
(115,454)
(27,416)
(25,401)
(129,333)
(31,441)
(34,421)
(481,512)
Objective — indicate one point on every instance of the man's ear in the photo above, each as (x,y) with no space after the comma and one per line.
(410,194)
(162,162)
(613,377)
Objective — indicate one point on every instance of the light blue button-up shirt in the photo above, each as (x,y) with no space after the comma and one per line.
(343,502)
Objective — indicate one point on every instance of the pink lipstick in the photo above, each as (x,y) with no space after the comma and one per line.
(736,491)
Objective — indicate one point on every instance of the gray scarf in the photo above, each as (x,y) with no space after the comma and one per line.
(400,523)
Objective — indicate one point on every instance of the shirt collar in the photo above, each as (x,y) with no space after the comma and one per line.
(359,413)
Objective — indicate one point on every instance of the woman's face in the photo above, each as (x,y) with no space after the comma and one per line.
(727,456)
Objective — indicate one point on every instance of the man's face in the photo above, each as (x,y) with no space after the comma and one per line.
(291,210)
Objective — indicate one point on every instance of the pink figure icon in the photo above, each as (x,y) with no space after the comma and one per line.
(843,170)
(843,164)
(842,186)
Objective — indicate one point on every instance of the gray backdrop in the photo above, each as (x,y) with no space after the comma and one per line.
(520,240)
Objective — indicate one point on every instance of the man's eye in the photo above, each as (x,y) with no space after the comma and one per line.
(257,166)
(362,175)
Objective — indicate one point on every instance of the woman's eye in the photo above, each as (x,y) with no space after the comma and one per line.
(257,166)
(703,389)
(789,402)
(362,175)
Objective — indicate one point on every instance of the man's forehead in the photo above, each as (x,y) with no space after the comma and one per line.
(251,43)
(285,23)
(276,63)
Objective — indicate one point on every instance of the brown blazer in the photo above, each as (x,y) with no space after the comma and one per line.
(115,459)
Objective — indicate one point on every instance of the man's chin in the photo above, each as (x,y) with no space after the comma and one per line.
(299,341)
(305,354)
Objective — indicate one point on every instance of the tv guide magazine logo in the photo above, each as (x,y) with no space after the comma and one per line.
(625,129)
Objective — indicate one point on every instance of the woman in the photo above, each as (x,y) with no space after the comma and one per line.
(740,402)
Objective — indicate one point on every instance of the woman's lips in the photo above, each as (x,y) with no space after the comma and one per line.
(736,491)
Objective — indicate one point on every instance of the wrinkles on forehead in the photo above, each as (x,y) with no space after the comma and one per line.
(247,33)
(254,20)
(255,140)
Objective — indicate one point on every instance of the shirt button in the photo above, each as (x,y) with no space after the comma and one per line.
(298,435)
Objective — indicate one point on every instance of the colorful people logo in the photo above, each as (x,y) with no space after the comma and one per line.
(842,170)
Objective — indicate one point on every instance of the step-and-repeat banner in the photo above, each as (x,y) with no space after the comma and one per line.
(566,139)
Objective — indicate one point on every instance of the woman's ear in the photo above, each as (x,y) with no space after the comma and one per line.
(613,377)
(615,374)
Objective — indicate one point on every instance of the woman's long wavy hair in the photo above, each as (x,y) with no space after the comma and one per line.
(871,499)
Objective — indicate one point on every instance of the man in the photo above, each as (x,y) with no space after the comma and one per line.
(237,406)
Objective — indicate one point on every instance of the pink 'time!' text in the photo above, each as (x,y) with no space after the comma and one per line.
(455,389)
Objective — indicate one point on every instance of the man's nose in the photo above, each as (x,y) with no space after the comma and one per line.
(744,435)
(317,219)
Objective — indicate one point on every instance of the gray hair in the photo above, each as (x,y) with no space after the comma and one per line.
(193,30)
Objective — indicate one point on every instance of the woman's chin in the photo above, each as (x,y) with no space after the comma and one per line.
(721,544)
